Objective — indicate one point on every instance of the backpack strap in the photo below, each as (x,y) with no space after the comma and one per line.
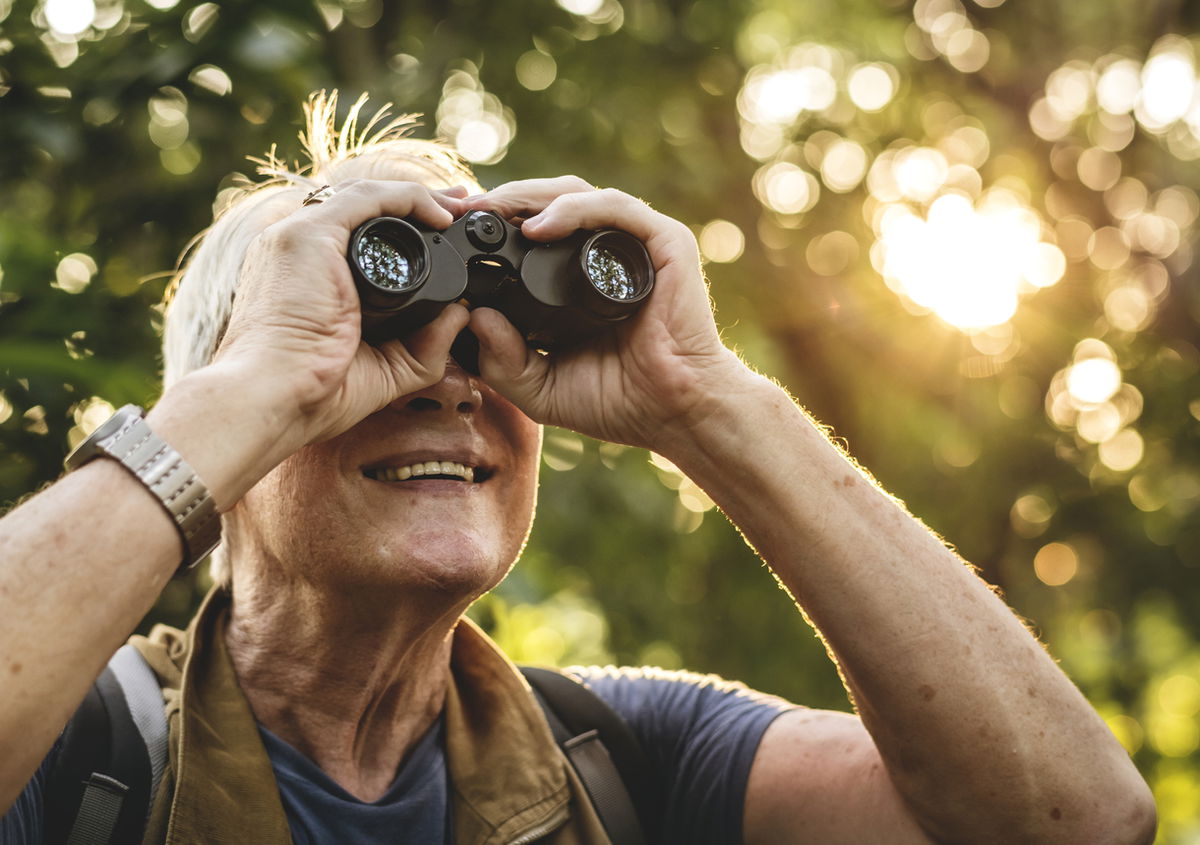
(144,696)
(604,753)
(110,760)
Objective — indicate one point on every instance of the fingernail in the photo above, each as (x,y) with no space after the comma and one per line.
(534,222)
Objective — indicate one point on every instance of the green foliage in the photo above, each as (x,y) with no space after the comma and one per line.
(114,142)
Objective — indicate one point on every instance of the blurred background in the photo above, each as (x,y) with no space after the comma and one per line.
(961,233)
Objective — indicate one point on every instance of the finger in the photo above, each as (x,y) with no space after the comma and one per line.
(420,359)
(452,204)
(510,367)
(430,344)
(526,197)
(458,191)
(363,199)
(610,208)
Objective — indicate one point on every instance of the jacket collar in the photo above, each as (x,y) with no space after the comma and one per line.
(508,778)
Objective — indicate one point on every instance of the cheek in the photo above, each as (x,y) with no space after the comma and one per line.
(526,438)
(528,442)
(282,509)
(522,499)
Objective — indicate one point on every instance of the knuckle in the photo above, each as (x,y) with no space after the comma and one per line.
(418,193)
(622,200)
(679,229)
(350,186)
(565,202)
(575,183)
(282,234)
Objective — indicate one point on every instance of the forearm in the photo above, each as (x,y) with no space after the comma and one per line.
(978,727)
(85,559)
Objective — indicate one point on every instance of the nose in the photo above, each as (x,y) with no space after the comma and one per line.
(457,391)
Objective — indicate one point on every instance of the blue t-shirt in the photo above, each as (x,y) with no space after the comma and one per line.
(319,811)
(700,734)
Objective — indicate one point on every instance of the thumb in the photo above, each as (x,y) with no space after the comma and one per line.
(507,364)
(420,358)
(430,344)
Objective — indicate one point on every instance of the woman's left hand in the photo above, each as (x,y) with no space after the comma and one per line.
(653,376)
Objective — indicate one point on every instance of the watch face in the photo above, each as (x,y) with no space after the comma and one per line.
(90,448)
(114,423)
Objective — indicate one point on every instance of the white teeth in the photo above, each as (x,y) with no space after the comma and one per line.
(417,470)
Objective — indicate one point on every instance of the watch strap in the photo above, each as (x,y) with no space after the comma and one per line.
(168,476)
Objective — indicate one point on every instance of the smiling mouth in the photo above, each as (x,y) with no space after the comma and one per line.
(429,471)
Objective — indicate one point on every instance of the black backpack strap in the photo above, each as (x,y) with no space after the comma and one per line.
(604,753)
(100,785)
(82,749)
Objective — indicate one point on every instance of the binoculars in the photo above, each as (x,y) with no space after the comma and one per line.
(557,294)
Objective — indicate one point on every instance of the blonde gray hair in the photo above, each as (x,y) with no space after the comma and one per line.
(200,296)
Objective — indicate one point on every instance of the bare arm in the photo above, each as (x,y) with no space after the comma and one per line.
(971,731)
(85,559)
(981,737)
(818,777)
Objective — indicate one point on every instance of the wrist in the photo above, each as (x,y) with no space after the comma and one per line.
(730,393)
(229,426)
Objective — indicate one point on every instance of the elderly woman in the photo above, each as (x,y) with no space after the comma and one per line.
(329,688)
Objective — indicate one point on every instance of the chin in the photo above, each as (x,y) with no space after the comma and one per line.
(449,563)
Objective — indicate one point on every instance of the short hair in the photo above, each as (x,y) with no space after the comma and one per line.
(200,296)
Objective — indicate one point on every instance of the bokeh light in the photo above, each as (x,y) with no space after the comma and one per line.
(536,70)
(1168,87)
(967,262)
(479,125)
(871,86)
(1092,381)
(74,272)
(786,188)
(70,17)
(1091,397)
(1162,94)
(88,415)
(582,8)
(1118,86)
(831,253)
(1123,451)
(721,241)
(943,28)
(1056,564)
(843,166)
(1030,515)
(780,96)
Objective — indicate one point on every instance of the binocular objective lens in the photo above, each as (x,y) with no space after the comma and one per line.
(385,265)
(609,274)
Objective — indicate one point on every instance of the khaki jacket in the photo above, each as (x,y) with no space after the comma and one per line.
(509,782)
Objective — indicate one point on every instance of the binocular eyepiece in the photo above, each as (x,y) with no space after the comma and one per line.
(557,294)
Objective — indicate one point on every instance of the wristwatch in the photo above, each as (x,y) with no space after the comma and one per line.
(127,438)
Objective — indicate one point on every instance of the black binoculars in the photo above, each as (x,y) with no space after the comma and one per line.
(557,294)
